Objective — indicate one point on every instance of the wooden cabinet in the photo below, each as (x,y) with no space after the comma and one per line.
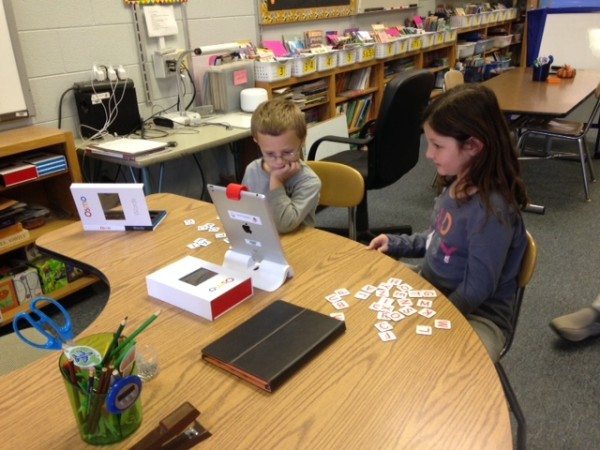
(51,191)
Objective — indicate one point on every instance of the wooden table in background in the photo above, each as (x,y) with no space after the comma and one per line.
(438,391)
(517,93)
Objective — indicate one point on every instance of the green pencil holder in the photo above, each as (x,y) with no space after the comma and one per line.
(96,424)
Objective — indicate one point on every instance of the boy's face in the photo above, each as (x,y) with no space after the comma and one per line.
(279,151)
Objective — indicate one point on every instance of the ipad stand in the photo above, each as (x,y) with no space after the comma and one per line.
(266,275)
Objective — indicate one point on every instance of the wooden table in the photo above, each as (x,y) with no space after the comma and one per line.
(438,391)
(517,93)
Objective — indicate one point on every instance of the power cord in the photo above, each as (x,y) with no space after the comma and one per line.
(60,102)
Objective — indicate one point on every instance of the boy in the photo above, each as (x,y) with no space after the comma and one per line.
(291,187)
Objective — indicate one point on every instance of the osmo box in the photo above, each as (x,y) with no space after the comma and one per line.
(200,287)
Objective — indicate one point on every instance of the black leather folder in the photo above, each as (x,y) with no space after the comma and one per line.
(273,344)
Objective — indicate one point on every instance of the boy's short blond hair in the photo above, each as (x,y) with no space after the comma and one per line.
(275,117)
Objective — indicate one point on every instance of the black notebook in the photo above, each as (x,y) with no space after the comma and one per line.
(269,347)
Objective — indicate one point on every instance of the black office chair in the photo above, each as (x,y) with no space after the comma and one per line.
(392,141)
(527,268)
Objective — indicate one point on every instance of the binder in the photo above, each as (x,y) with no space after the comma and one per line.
(274,344)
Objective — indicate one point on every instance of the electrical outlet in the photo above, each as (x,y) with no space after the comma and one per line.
(165,62)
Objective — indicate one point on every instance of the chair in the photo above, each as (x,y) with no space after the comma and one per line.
(527,268)
(453,78)
(393,146)
(565,129)
(341,186)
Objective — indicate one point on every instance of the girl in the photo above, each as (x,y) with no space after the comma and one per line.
(474,247)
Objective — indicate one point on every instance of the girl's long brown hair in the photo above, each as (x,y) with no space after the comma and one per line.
(472,111)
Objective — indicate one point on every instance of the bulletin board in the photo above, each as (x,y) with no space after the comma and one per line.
(290,11)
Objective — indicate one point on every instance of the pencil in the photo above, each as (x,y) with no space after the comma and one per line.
(133,335)
(114,341)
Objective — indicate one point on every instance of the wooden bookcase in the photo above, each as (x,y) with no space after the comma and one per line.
(418,59)
(51,191)
(377,81)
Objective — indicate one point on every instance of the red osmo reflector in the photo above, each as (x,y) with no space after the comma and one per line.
(234,191)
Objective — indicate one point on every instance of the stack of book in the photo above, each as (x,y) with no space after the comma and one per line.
(47,163)
(17,172)
(309,94)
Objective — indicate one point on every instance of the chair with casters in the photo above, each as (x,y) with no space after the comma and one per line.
(525,274)
(567,130)
(342,186)
(453,78)
(391,141)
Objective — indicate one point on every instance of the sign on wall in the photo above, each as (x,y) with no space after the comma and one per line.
(288,11)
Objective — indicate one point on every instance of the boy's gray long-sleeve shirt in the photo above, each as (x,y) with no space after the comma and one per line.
(293,204)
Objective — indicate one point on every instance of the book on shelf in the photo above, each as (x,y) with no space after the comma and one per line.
(17,172)
(272,345)
(314,38)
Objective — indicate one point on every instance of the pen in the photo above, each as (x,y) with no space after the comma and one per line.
(133,335)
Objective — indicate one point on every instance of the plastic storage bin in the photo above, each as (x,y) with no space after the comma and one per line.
(502,41)
(414,42)
(326,61)
(272,70)
(385,49)
(304,65)
(365,53)
(450,35)
(401,45)
(427,39)
(483,45)
(465,49)
(438,38)
(346,56)
(459,21)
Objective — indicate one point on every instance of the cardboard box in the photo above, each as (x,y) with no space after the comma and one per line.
(52,273)
(27,284)
(8,296)
(200,287)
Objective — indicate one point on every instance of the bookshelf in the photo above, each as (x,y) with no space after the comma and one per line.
(379,72)
(437,58)
(51,191)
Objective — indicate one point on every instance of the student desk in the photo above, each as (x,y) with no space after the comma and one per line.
(416,392)
(190,140)
(517,93)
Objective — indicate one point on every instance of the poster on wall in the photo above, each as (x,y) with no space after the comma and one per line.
(288,11)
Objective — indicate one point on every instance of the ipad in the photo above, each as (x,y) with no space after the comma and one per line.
(253,237)
(114,207)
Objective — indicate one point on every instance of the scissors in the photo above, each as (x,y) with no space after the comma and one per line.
(57,336)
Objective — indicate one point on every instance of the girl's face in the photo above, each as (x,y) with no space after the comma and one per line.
(279,151)
(446,153)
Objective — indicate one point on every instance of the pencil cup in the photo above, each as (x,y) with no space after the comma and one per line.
(105,402)
(541,73)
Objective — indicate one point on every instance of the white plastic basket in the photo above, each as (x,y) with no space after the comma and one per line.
(304,65)
(439,39)
(272,70)
(385,49)
(485,17)
(326,61)
(474,19)
(450,35)
(346,56)
(502,41)
(512,13)
(459,21)
(493,17)
(414,42)
(365,53)
(502,15)
(401,45)
(427,39)
(465,49)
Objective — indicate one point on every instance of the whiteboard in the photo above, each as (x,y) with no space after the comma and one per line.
(15,100)
(572,39)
